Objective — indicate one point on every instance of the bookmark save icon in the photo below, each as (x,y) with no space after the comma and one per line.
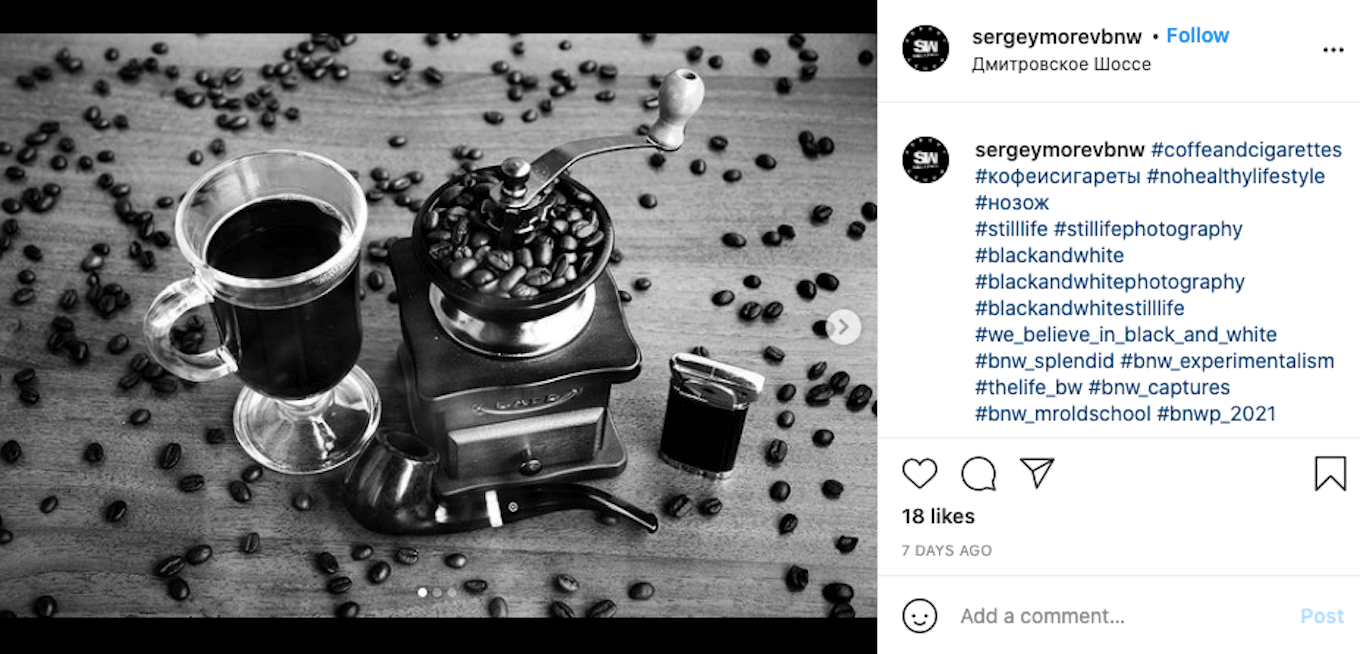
(1038,469)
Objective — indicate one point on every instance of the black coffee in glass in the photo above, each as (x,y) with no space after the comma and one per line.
(292,352)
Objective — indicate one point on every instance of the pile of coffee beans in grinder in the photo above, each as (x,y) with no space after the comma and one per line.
(513,253)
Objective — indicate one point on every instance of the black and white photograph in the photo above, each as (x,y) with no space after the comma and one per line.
(439,325)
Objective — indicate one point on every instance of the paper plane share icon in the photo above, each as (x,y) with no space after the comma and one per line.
(1038,469)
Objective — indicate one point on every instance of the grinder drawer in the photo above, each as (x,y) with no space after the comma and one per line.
(520,447)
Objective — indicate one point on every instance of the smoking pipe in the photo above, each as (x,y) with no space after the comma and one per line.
(390,490)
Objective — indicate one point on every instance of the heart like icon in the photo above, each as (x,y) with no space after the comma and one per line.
(920,471)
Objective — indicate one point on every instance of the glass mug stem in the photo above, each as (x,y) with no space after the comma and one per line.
(176,301)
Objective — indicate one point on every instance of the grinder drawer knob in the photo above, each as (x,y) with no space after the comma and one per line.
(530,465)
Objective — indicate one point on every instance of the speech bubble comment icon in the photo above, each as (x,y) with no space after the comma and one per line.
(979,474)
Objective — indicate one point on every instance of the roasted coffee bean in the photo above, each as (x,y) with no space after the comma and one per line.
(347,610)
(821,214)
(679,506)
(656,160)
(641,591)
(774,354)
(170,567)
(339,585)
(476,586)
(251,543)
(828,281)
(191,483)
(796,578)
(846,544)
(723,298)
(140,417)
(165,385)
(825,145)
(214,435)
(751,281)
(79,351)
(859,397)
(776,452)
(647,201)
(699,350)
(239,491)
(823,437)
(57,341)
(816,370)
(25,376)
(45,606)
(603,609)
(783,85)
(252,473)
(26,276)
(731,175)
(376,280)
(198,554)
(717,143)
(48,504)
(170,456)
(839,381)
(326,563)
(33,253)
(59,162)
(456,561)
(772,311)
(842,610)
(178,589)
(6,537)
(493,117)
(498,608)
(855,230)
(711,506)
(379,572)
(11,206)
(698,167)
(765,162)
(29,396)
(406,555)
(832,489)
(788,523)
(806,289)
(785,419)
(560,610)
(838,592)
(779,490)
(642,284)
(566,583)
(749,311)
(139,362)
(772,238)
(302,501)
(94,453)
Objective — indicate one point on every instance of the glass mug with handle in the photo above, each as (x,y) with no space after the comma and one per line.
(274,240)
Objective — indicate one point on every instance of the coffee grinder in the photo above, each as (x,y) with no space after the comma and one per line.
(509,358)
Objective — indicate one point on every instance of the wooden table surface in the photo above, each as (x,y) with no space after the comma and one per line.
(731,564)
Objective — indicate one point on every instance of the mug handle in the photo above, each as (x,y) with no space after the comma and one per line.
(176,300)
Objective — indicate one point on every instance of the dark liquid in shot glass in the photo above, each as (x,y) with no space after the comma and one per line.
(298,351)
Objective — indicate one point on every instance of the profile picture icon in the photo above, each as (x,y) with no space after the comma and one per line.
(925,48)
(925,159)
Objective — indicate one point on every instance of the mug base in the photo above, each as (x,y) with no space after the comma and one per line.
(311,436)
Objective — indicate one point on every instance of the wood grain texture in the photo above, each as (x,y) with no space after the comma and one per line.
(731,564)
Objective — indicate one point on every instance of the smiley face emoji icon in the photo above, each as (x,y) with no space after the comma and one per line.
(919,615)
